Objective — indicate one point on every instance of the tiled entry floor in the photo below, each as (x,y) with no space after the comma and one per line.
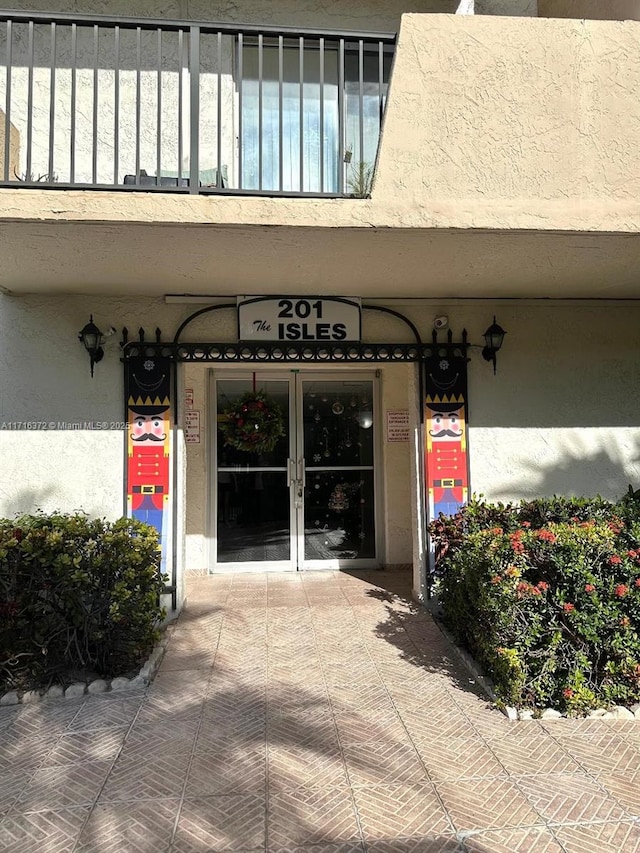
(316,713)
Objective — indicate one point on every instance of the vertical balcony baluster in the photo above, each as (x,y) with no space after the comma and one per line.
(52,101)
(194,109)
(30,49)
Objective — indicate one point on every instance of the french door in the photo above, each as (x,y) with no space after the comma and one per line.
(310,503)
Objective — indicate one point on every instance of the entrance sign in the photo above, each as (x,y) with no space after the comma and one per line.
(304,319)
(397,425)
(192,427)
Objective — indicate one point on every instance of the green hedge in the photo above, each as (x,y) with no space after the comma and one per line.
(546,596)
(77,596)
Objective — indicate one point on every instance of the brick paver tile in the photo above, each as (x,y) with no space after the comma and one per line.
(12,783)
(400,811)
(238,730)
(625,789)
(234,822)
(186,685)
(356,727)
(227,771)
(564,798)
(42,832)
(533,840)
(607,753)
(78,747)
(8,716)
(365,697)
(14,755)
(159,776)
(45,720)
(450,758)
(62,786)
(101,713)
(486,804)
(130,828)
(533,752)
(428,844)
(311,816)
(296,767)
(287,731)
(617,837)
(446,721)
(346,847)
(178,659)
(168,712)
(383,761)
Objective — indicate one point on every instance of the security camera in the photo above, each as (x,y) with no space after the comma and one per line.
(441,322)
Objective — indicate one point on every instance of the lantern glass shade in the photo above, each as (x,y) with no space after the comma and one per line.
(92,339)
(91,336)
(494,336)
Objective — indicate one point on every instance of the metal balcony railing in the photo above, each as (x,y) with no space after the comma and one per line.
(119,103)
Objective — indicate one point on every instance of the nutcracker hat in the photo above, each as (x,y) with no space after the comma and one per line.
(148,405)
(445,403)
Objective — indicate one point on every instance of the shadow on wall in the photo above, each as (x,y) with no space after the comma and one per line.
(576,470)
(25,501)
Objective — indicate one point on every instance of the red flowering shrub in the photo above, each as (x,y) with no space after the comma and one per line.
(546,597)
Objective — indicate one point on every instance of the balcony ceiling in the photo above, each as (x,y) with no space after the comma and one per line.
(227,259)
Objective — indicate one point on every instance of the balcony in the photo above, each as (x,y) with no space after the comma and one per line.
(124,104)
(506,164)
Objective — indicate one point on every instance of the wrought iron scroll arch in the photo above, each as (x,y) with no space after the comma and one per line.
(269,352)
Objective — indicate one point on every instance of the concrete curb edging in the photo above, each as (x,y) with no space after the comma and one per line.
(98,685)
(432,605)
(617,712)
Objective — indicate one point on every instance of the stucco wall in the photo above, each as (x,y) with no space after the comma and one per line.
(611,10)
(482,113)
(513,8)
(371,15)
(542,110)
(561,416)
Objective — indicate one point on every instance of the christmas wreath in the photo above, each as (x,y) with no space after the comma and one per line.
(254,423)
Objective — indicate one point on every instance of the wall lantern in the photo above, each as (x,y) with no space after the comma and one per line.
(493,338)
(92,339)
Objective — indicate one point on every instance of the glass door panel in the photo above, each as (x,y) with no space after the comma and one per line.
(338,463)
(254,517)
(310,502)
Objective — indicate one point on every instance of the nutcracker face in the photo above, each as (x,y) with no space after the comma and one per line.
(149,427)
(445,426)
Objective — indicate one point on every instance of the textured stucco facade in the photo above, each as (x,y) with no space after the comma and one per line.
(507,184)
(612,10)
(559,418)
(486,160)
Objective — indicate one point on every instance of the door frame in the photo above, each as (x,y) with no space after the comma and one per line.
(295,377)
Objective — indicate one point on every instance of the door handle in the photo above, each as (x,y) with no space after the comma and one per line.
(291,468)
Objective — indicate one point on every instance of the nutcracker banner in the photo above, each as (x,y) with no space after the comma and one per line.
(148,395)
(446,459)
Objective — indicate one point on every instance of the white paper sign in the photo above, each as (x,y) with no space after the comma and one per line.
(296,318)
(188,398)
(398,425)
(192,427)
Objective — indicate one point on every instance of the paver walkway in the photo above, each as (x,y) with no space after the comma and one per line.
(316,713)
